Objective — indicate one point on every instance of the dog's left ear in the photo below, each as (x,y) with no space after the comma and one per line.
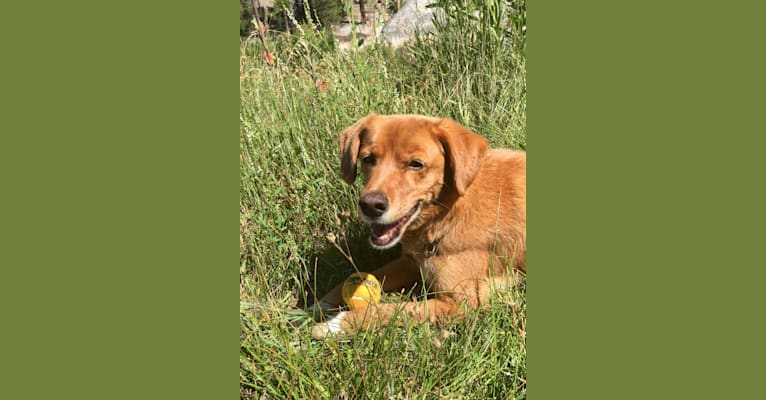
(349,148)
(463,152)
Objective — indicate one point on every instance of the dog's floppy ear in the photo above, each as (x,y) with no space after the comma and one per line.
(349,148)
(463,152)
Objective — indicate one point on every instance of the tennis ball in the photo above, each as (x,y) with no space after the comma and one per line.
(360,290)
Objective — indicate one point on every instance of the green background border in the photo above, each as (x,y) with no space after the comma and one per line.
(645,200)
(119,187)
(122,184)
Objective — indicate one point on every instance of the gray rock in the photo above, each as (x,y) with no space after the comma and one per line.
(412,17)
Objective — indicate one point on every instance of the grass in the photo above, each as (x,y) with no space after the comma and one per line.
(299,231)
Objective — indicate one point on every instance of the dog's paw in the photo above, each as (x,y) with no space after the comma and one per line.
(332,327)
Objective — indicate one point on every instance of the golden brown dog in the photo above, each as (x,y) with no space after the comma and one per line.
(457,207)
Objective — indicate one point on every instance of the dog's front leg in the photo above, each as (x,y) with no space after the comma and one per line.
(401,273)
(375,316)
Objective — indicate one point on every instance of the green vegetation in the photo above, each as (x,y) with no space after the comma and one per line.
(324,13)
(299,230)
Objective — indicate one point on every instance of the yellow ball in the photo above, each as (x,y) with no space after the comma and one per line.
(360,290)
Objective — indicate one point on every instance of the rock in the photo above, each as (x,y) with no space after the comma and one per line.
(365,34)
(412,17)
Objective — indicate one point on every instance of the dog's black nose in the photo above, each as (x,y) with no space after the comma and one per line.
(373,204)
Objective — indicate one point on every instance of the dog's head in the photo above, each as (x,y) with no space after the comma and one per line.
(408,162)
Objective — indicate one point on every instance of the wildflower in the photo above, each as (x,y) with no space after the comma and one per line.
(269,58)
(331,237)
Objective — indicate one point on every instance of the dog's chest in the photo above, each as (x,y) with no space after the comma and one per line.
(428,259)
(430,267)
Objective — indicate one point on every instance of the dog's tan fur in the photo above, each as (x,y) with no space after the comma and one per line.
(472,218)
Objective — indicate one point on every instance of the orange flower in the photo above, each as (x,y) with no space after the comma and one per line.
(269,58)
(321,86)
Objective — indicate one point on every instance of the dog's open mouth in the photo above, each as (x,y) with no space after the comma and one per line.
(384,236)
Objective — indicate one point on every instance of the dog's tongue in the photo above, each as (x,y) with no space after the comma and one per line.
(383,234)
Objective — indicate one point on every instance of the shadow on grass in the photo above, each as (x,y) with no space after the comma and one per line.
(331,266)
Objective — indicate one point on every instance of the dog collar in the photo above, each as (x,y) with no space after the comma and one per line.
(431,249)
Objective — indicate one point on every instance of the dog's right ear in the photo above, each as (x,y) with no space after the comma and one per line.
(349,148)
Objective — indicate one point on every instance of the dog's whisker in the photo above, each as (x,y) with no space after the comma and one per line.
(440,204)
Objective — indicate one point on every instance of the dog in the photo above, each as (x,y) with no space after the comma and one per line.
(457,207)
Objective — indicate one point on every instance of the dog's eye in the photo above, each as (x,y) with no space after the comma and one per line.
(368,159)
(416,165)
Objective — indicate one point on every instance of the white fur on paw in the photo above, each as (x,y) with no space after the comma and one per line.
(329,328)
(334,323)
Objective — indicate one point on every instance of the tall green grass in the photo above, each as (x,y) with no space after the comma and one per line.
(296,214)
